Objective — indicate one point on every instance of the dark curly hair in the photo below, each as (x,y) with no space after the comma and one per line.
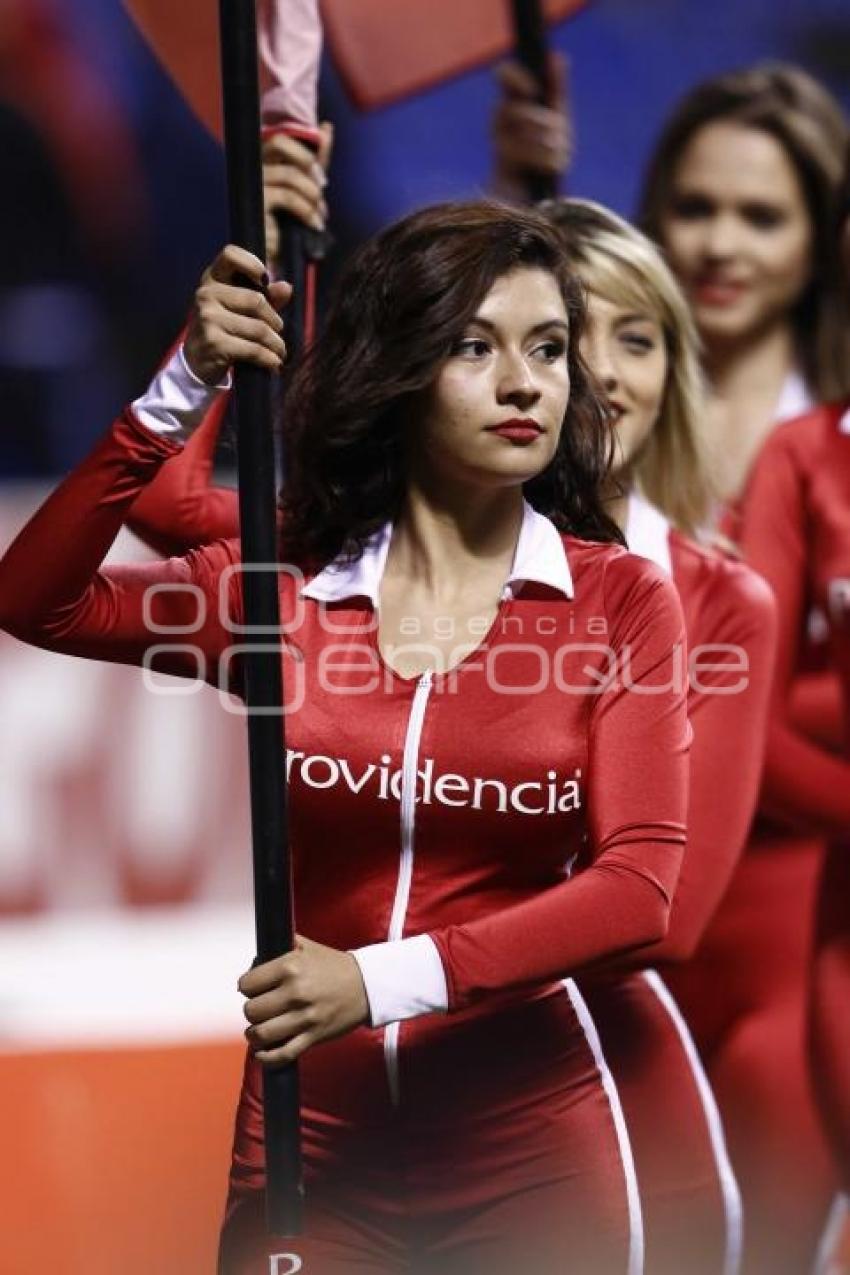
(402,301)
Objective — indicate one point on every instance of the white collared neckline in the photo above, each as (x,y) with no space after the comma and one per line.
(648,532)
(794,398)
(540,558)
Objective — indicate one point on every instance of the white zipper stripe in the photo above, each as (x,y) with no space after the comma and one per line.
(634,1263)
(409,767)
(836,1221)
(732,1205)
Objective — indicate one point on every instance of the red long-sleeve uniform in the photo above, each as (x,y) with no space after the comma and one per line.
(746,995)
(729,621)
(430,1131)
(798,506)
(690,1202)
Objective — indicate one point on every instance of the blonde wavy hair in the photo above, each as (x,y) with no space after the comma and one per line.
(615,260)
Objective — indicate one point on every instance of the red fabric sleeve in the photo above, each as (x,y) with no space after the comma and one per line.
(727,753)
(181,509)
(804,784)
(816,708)
(636,802)
(54,594)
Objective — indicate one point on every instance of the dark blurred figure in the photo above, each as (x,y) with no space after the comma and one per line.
(73,201)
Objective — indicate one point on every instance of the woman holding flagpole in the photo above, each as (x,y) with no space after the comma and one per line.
(487,742)
(640,344)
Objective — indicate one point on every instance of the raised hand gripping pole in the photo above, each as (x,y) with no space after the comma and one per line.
(531,50)
(252,395)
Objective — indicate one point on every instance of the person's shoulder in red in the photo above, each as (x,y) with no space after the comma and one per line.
(793,444)
(594,561)
(803,437)
(634,596)
(730,620)
(715,584)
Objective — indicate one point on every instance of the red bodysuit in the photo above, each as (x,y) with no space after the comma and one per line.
(690,1199)
(798,508)
(687,1183)
(746,995)
(523,816)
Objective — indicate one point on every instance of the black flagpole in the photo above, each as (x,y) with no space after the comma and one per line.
(301,251)
(300,246)
(531,50)
(252,394)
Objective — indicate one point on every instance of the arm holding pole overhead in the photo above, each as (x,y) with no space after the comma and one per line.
(184,507)
(289,51)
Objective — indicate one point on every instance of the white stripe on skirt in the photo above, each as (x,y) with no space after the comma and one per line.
(728,1183)
(635,1262)
(833,1229)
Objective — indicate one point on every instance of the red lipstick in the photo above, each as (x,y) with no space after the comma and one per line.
(518,430)
(717,292)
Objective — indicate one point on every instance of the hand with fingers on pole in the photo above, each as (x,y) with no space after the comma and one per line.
(532,128)
(295,162)
(295,177)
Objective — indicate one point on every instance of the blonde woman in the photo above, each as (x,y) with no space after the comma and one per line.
(641,345)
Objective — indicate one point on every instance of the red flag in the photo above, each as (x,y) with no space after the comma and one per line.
(384,49)
(389,49)
(184,37)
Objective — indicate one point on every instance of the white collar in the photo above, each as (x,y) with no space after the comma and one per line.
(794,398)
(844,422)
(540,556)
(648,531)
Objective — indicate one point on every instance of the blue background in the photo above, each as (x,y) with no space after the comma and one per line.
(630,61)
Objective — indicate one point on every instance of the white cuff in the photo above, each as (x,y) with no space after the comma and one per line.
(176,401)
(403,979)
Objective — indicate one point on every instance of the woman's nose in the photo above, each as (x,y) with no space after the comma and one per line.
(720,238)
(604,369)
(597,352)
(516,382)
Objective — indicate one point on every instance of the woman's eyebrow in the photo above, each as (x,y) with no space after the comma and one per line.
(635,317)
(545,325)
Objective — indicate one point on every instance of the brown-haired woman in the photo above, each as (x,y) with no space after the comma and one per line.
(795,524)
(741,193)
(478,808)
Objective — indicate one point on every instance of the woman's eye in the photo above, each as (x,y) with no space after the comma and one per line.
(474,347)
(764,216)
(691,207)
(550,351)
(637,342)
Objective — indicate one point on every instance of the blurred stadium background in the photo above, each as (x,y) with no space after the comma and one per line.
(124,862)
